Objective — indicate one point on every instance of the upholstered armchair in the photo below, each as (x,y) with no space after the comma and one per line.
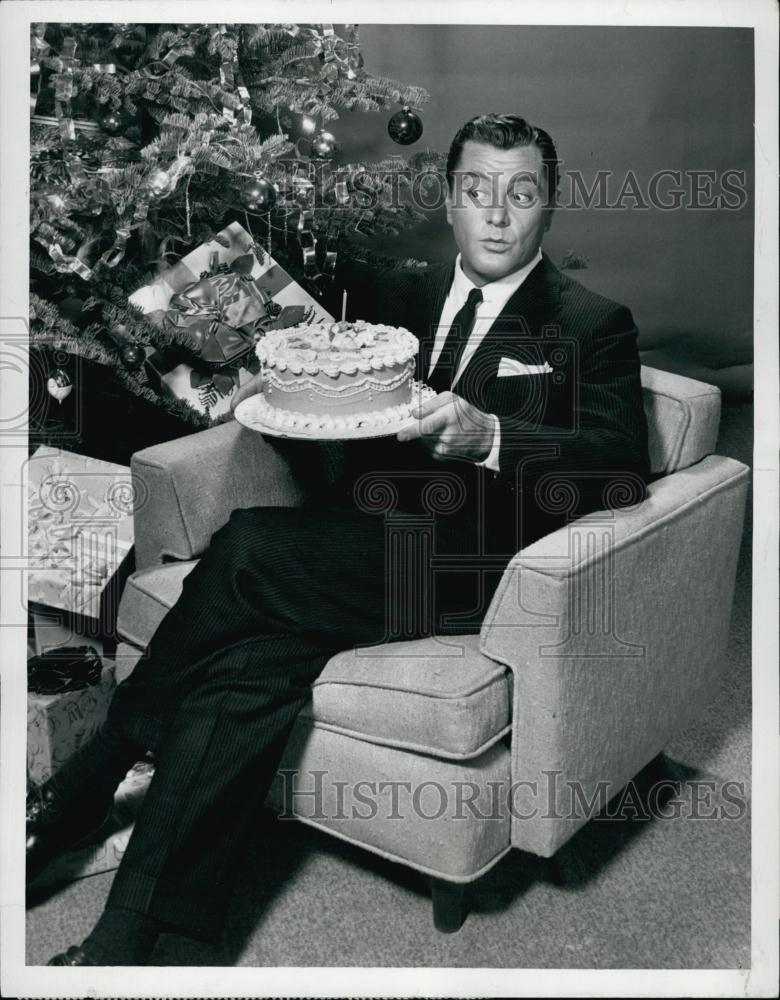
(604,640)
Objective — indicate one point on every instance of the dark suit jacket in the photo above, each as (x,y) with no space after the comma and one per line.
(573,439)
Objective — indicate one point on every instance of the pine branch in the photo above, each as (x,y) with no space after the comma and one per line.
(176,407)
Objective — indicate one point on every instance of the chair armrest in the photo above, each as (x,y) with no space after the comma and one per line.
(615,629)
(683,415)
(186,489)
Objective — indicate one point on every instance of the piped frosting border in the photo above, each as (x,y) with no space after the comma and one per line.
(274,350)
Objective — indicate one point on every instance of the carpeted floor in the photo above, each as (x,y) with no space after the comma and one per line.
(630,893)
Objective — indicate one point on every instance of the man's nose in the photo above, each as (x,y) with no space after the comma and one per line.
(497,214)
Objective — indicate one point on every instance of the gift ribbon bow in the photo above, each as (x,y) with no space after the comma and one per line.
(202,309)
(223,382)
(220,384)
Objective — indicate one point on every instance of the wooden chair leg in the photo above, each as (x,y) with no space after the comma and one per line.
(450,907)
(556,871)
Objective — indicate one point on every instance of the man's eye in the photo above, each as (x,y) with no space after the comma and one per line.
(523,197)
(480,196)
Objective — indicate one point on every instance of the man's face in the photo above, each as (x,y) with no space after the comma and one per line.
(497,209)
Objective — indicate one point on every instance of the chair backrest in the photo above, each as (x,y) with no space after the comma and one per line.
(682,418)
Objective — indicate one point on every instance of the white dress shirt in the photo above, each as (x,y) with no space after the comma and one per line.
(495,296)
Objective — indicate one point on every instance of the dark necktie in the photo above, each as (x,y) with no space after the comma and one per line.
(443,375)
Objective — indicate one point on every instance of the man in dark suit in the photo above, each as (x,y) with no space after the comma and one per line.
(538,419)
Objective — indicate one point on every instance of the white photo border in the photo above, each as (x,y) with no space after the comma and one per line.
(761,978)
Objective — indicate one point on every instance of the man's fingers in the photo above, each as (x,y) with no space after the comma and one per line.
(250,388)
(425,426)
(420,412)
(431,405)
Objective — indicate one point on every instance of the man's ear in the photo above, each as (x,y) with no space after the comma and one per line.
(548,217)
(448,204)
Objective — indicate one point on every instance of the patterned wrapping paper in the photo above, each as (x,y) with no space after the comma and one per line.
(238,307)
(80,528)
(106,854)
(58,724)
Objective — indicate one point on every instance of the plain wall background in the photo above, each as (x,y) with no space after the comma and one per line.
(640,99)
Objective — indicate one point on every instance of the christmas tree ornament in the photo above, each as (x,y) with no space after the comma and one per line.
(59,384)
(161,182)
(308,125)
(112,122)
(71,309)
(405,127)
(258,194)
(324,146)
(158,183)
(132,356)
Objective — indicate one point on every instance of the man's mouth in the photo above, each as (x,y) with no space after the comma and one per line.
(495,246)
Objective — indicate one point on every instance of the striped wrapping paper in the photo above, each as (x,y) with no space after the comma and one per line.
(210,393)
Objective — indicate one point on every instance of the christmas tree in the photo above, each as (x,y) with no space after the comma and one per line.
(147,140)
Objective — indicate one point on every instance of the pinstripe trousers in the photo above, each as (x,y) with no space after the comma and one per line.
(278,592)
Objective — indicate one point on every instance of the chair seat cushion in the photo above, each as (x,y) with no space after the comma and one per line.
(435,696)
(429,696)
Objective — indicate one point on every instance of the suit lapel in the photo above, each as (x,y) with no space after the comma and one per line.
(531,305)
(427,307)
(515,331)
(534,302)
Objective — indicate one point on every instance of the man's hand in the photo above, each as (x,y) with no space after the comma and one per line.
(249,388)
(449,427)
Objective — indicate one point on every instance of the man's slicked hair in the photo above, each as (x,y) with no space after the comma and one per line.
(506,132)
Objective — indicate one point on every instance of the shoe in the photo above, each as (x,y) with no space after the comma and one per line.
(55,826)
(75,955)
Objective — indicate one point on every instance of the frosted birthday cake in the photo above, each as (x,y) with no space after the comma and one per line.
(336,377)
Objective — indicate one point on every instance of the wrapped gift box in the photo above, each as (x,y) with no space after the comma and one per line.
(221,296)
(170,372)
(80,537)
(105,855)
(58,724)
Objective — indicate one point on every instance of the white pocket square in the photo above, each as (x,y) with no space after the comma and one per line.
(508,366)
